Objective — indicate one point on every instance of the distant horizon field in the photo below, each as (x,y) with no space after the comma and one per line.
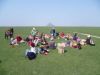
(72,62)
(45,26)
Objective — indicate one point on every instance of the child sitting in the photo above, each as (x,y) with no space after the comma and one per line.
(60,47)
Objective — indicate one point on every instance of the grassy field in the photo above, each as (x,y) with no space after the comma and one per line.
(72,62)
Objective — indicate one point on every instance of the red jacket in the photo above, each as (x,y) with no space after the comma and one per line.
(30,43)
(18,38)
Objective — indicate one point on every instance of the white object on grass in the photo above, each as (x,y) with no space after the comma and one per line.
(88,35)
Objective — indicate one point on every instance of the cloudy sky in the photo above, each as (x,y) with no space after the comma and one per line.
(42,12)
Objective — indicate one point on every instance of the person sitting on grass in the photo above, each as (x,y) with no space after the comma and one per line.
(33,31)
(89,41)
(61,47)
(53,31)
(75,37)
(44,46)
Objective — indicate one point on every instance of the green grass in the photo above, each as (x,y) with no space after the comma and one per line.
(72,62)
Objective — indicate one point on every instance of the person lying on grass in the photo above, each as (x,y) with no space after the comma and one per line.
(16,41)
(31,53)
(73,44)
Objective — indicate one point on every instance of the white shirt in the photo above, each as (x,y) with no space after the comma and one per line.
(33,49)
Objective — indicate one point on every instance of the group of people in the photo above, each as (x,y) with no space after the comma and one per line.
(41,43)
